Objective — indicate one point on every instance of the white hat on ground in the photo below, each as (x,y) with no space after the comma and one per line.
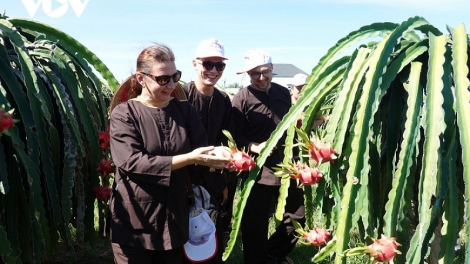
(202,243)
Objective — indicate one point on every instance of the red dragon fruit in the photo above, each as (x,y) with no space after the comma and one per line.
(104,139)
(6,121)
(243,161)
(106,167)
(299,171)
(307,175)
(317,237)
(381,250)
(320,152)
(102,193)
(240,159)
(384,249)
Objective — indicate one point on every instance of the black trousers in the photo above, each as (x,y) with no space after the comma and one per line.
(255,223)
(136,255)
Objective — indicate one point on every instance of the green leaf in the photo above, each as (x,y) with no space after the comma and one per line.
(4,188)
(369,31)
(5,249)
(368,104)
(326,251)
(285,182)
(430,174)
(30,80)
(72,44)
(408,143)
(18,215)
(462,105)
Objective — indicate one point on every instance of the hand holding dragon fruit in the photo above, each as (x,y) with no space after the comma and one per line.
(240,159)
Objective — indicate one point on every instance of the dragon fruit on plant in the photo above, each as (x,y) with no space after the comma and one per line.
(384,249)
(300,171)
(104,139)
(317,236)
(106,167)
(308,175)
(6,121)
(102,193)
(320,152)
(381,250)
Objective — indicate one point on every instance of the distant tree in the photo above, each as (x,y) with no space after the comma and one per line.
(235,85)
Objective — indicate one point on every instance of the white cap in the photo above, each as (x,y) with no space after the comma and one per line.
(210,48)
(202,243)
(299,79)
(255,58)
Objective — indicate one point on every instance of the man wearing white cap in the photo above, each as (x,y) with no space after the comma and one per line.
(257,110)
(297,85)
(215,111)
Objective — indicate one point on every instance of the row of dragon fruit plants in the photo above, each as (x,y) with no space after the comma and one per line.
(399,138)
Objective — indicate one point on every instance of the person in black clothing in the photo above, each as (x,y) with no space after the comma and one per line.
(155,140)
(258,109)
(215,111)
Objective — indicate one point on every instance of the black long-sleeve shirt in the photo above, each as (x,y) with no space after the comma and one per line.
(215,113)
(256,115)
(149,206)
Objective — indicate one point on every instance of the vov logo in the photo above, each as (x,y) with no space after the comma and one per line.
(33,5)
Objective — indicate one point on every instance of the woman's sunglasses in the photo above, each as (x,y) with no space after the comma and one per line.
(164,79)
(209,65)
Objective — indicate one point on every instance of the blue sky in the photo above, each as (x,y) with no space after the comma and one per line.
(299,32)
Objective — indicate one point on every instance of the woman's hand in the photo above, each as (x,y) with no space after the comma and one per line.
(211,157)
(223,151)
